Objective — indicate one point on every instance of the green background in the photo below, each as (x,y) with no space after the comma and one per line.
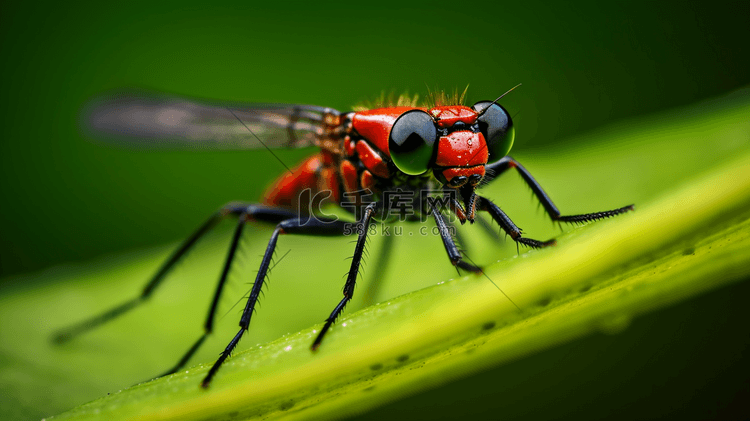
(67,200)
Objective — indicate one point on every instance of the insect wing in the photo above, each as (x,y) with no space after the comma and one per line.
(153,119)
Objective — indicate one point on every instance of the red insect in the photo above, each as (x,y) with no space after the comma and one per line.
(396,161)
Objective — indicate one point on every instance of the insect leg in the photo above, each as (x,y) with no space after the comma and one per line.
(450,246)
(508,226)
(381,266)
(458,238)
(230,209)
(351,279)
(456,207)
(249,213)
(507,162)
(487,227)
(304,226)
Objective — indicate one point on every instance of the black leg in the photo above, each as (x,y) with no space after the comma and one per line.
(249,213)
(246,213)
(450,246)
(453,253)
(231,209)
(508,226)
(458,238)
(381,267)
(505,163)
(487,227)
(351,279)
(304,226)
(483,223)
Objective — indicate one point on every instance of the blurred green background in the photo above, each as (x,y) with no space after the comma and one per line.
(68,199)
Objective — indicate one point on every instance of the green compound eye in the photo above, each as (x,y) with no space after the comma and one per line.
(412,141)
(497,128)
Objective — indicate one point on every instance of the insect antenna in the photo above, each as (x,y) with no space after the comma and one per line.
(493,282)
(261,142)
(498,99)
(482,112)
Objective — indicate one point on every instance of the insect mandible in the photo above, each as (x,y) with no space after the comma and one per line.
(367,160)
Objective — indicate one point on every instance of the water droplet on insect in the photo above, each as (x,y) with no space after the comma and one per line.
(343,324)
(288,348)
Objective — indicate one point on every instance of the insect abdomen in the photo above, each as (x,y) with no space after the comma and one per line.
(316,174)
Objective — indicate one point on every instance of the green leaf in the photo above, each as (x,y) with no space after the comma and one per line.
(687,171)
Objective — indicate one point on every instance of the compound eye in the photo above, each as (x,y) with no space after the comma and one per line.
(412,142)
(497,128)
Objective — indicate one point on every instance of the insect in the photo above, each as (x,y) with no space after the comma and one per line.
(376,163)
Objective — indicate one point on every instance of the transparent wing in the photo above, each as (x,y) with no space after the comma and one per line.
(154,119)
